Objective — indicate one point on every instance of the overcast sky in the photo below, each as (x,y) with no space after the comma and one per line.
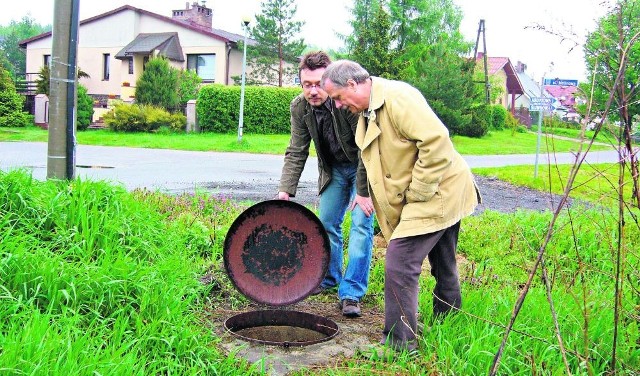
(506,23)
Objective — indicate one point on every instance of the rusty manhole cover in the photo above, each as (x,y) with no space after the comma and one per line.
(276,253)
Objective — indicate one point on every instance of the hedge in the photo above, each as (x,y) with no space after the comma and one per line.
(266,109)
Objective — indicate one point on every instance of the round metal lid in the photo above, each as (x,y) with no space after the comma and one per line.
(276,252)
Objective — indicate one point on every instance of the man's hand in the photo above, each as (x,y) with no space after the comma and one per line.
(365,203)
(283,196)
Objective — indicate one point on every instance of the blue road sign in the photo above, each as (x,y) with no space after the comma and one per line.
(541,101)
(540,107)
(540,104)
(560,82)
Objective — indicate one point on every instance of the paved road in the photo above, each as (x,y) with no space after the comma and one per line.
(185,171)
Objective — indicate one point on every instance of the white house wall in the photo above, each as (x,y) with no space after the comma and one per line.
(111,33)
(191,41)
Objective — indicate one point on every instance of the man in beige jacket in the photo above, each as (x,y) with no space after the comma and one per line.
(421,188)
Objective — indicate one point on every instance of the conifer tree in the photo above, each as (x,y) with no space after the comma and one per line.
(158,85)
(277,43)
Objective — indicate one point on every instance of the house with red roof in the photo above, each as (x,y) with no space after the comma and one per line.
(501,69)
(114,46)
(565,101)
(532,89)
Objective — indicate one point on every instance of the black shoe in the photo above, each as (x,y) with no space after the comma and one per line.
(350,308)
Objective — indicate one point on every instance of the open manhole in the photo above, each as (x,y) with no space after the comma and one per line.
(282,327)
(276,253)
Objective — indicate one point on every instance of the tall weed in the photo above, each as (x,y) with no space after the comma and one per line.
(96,281)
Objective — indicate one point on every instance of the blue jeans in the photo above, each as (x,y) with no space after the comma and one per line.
(334,202)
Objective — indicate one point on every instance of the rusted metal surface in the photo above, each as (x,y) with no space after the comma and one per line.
(281,327)
(276,252)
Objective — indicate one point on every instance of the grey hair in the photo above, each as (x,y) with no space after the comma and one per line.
(340,71)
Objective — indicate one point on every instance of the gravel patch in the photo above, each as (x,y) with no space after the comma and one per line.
(497,195)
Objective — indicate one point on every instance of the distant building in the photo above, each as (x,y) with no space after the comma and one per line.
(502,69)
(565,101)
(532,89)
(114,46)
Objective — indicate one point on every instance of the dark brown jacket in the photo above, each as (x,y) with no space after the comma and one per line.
(304,128)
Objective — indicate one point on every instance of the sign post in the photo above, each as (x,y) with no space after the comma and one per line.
(540,104)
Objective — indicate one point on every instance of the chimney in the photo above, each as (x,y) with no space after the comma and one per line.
(197,15)
(521,67)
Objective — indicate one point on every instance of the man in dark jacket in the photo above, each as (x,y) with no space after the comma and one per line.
(342,182)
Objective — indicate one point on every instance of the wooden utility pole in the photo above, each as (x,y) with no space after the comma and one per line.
(484,58)
(61,159)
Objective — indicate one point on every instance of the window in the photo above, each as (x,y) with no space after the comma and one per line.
(46,60)
(131,65)
(204,65)
(105,66)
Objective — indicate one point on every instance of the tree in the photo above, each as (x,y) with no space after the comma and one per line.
(424,21)
(277,43)
(370,44)
(158,84)
(11,103)
(188,86)
(612,57)
(12,34)
(419,41)
(44,77)
(85,108)
(444,78)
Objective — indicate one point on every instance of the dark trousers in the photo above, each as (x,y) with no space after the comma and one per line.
(403,264)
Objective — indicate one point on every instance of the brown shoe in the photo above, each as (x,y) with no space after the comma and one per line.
(350,308)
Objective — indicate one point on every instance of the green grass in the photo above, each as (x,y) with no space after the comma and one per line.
(608,135)
(98,280)
(496,142)
(506,142)
(95,280)
(595,183)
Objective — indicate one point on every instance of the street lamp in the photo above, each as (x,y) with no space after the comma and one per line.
(245,22)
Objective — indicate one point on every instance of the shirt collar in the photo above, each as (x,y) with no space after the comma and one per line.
(367,112)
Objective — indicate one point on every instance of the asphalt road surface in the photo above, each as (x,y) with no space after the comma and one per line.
(236,175)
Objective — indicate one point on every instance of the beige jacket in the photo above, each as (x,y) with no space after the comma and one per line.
(418,181)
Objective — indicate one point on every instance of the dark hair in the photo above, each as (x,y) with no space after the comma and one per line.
(314,60)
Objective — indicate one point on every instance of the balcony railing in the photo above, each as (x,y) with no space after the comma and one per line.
(26,83)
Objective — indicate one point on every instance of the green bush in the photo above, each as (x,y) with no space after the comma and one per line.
(188,86)
(479,125)
(266,109)
(15,119)
(498,116)
(453,118)
(11,103)
(156,118)
(142,118)
(177,122)
(85,108)
(125,118)
(158,85)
